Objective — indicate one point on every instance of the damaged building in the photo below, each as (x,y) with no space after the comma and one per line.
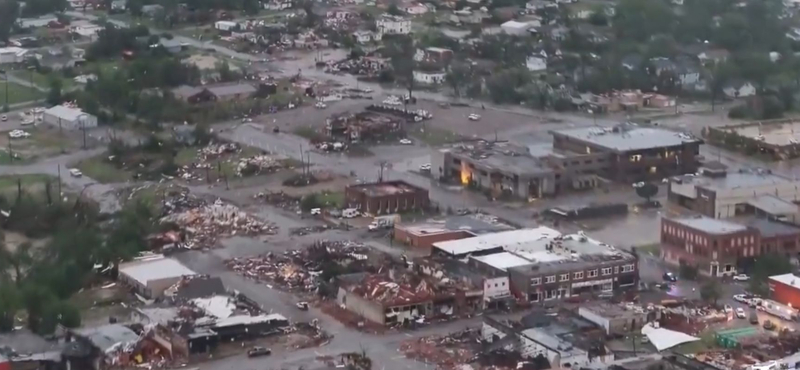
(397,298)
(386,197)
(360,127)
(544,265)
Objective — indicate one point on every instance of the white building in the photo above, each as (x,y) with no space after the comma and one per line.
(88,30)
(69,118)
(536,63)
(515,28)
(12,54)
(417,9)
(150,276)
(393,25)
(431,78)
(739,89)
(278,4)
(226,25)
(365,37)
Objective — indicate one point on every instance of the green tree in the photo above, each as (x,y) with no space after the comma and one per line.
(394,10)
(19,260)
(400,49)
(9,306)
(711,291)
(765,266)
(641,19)
(647,190)
(54,95)
(128,236)
(9,11)
(458,75)
(309,202)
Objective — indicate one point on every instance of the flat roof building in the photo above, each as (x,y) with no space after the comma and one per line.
(724,247)
(150,276)
(494,242)
(69,118)
(615,319)
(386,197)
(725,194)
(424,234)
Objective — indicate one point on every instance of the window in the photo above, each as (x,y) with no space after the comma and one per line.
(550,294)
(536,281)
(606,271)
(592,273)
(504,283)
(563,277)
(627,268)
(550,279)
(578,275)
(636,158)
(616,269)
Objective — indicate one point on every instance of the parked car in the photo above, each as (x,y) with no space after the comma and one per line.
(4,118)
(258,352)
(668,276)
(16,134)
(474,117)
(316,211)
(74,172)
(405,142)
(741,298)
(741,277)
(753,317)
(425,167)
(728,308)
(740,313)
(302,306)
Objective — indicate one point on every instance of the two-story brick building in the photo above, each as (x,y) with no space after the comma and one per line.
(386,197)
(722,247)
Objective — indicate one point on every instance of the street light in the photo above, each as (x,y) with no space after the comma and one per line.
(5,77)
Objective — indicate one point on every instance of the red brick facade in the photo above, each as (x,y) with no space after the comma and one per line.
(425,241)
(386,197)
(784,293)
(712,254)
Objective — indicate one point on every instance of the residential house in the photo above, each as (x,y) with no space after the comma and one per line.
(713,56)
(688,74)
(173,46)
(393,25)
(536,63)
(38,22)
(416,9)
(12,54)
(515,28)
(231,91)
(365,37)
(739,89)
(226,25)
(431,77)
(277,4)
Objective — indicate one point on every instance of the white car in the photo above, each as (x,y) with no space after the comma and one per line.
(320,105)
(405,142)
(638,184)
(741,277)
(425,167)
(4,118)
(728,308)
(74,172)
(16,134)
(26,122)
(316,211)
(741,298)
(740,313)
(474,117)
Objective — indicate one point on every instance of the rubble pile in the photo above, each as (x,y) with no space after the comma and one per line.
(299,270)
(212,151)
(279,199)
(203,224)
(257,164)
(447,352)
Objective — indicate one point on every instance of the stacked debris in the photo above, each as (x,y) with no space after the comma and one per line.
(205,223)
(280,199)
(446,351)
(302,270)
(258,164)
(215,150)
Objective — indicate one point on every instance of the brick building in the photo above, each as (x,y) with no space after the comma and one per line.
(633,153)
(719,248)
(785,289)
(424,234)
(386,197)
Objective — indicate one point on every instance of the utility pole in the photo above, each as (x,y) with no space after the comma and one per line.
(302,159)
(83,127)
(5,74)
(59,181)
(382,164)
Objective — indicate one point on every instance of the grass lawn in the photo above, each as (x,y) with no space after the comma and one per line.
(307,132)
(43,80)
(433,136)
(34,183)
(103,171)
(331,198)
(18,93)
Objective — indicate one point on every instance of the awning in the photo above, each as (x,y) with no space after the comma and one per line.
(664,338)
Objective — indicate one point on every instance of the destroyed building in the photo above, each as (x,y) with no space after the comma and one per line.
(565,340)
(150,275)
(360,127)
(395,298)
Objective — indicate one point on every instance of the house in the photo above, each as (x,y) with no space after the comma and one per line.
(433,77)
(173,46)
(234,91)
(713,56)
(536,63)
(86,30)
(364,37)
(393,25)
(151,275)
(417,9)
(152,10)
(69,118)
(515,28)
(226,25)
(12,54)
(739,89)
(434,55)
(277,4)
(687,73)
(192,94)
